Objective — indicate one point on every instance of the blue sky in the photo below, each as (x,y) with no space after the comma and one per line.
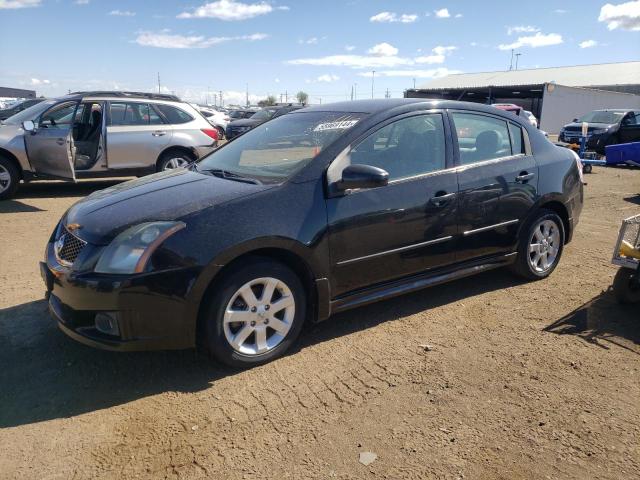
(322,47)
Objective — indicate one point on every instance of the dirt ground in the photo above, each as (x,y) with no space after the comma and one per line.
(523,380)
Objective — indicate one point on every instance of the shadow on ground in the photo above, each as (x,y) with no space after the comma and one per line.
(46,375)
(633,199)
(14,206)
(604,322)
(46,189)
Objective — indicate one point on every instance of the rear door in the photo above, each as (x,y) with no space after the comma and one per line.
(497,178)
(50,146)
(136,135)
(630,128)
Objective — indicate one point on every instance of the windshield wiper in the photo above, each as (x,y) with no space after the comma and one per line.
(231,176)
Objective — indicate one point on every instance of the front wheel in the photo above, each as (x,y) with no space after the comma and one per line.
(174,159)
(255,314)
(626,286)
(9,179)
(540,246)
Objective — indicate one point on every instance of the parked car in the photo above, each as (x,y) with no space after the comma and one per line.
(606,127)
(531,117)
(314,212)
(219,120)
(238,127)
(92,134)
(242,113)
(19,107)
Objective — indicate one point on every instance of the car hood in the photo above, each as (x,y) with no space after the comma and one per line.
(577,126)
(172,195)
(245,122)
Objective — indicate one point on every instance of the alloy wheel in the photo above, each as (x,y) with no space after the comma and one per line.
(259,316)
(544,246)
(5,179)
(176,162)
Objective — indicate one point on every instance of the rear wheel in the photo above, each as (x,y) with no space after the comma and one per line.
(255,314)
(174,159)
(540,246)
(9,178)
(626,287)
(587,168)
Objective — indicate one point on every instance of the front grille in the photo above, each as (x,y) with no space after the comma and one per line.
(68,247)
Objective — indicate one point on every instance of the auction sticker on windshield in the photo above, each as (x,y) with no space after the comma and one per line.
(343,125)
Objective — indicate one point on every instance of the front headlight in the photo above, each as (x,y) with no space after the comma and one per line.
(130,251)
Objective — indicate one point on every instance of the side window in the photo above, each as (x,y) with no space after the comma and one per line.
(174,115)
(631,119)
(407,147)
(517,143)
(481,137)
(59,116)
(133,114)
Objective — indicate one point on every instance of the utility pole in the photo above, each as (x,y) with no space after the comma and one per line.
(221,102)
(286,96)
(517,58)
(355,91)
(247,94)
(511,63)
(352,93)
(158,82)
(414,83)
(387,94)
(373,75)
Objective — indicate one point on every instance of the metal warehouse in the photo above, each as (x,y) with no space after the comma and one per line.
(555,95)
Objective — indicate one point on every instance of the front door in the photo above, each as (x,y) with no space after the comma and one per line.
(136,135)
(405,227)
(50,145)
(497,177)
(630,128)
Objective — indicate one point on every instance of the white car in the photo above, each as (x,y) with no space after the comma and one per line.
(218,119)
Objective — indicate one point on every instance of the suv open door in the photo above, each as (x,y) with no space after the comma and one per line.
(49,142)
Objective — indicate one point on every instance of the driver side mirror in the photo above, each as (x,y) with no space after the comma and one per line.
(574,120)
(29,126)
(363,176)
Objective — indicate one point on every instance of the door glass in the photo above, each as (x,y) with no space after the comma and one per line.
(133,114)
(60,116)
(174,116)
(481,137)
(517,145)
(405,148)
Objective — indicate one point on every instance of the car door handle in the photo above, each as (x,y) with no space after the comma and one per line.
(61,141)
(524,177)
(158,133)
(441,199)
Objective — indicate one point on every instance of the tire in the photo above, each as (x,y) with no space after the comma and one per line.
(9,178)
(254,314)
(587,168)
(552,247)
(174,159)
(623,288)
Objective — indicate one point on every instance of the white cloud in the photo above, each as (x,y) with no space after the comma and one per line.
(588,44)
(349,48)
(37,81)
(560,11)
(458,15)
(624,15)
(438,55)
(392,17)
(231,10)
(13,4)
(122,13)
(81,2)
(383,50)
(165,39)
(534,41)
(353,61)
(442,13)
(433,73)
(309,41)
(327,78)
(522,29)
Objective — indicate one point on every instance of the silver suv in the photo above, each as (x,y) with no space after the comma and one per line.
(98,134)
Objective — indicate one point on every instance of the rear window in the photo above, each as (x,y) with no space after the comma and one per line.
(174,116)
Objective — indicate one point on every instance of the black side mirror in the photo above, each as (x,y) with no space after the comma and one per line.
(574,120)
(363,176)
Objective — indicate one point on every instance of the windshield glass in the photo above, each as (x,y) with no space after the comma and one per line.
(31,113)
(275,150)
(600,116)
(263,114)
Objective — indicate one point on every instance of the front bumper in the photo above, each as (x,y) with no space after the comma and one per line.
(152,309)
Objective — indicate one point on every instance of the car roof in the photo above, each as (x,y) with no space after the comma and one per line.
(121,95)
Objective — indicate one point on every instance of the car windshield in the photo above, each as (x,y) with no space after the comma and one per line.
(265,114)
(31,113)
(601,116)
(275,150)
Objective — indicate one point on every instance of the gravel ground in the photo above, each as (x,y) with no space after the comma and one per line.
(521,380)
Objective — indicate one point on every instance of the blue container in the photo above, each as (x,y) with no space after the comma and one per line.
(628,153)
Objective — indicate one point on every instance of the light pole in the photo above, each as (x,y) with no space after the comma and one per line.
(373,75)
(355,91)
(517,58)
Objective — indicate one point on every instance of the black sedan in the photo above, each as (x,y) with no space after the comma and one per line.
(243,125)
(312,213)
